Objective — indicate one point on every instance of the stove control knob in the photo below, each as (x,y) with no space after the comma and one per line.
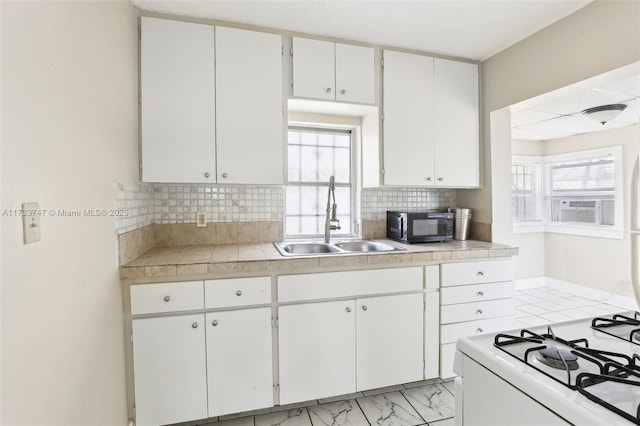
(479,312)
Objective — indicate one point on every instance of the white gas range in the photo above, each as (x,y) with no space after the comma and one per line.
(582,372)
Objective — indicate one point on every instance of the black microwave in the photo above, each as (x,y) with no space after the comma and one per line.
(420,227)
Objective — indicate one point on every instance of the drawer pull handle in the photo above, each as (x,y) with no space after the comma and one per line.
(479,312)
(480,294)
(364,307)
(167,298)
(194,325)
(239,293)
(348,309)
(214,323)
(480,273)
(479,330)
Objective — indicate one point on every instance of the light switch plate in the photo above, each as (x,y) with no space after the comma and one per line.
(31,222)
(201,220)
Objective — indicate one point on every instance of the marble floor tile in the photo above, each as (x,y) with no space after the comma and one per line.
(296,417)
(446,422)
(432,402)
(340,398)
(390,409)
(341,413)
(450,386)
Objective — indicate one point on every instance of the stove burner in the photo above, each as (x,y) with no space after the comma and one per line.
(553,356)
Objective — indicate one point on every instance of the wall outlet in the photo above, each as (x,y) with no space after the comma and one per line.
(31,222)
(201,220)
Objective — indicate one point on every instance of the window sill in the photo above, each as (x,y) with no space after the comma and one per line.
(571,229)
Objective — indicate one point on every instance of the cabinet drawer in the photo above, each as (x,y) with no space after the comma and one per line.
(476,310)
(166,297)
(476,292)
(486,271)
(450,333)
(237,292)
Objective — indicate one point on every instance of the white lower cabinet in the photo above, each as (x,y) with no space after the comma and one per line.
(339,347)
(193,366)
(389,336)
(317,350)
(239,361)
(170,369)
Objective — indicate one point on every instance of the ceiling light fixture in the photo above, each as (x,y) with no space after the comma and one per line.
(604,113)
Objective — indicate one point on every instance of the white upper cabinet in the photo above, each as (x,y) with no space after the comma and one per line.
(249,107)
(354,74)
(408,119)
(457,125)
(177,101)
(431,122)
(210,99)
(333,71)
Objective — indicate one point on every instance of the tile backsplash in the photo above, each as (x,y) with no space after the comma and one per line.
(176,204)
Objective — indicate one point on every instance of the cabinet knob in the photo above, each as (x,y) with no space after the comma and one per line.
(480,294)
(167,298)
(206,174)
(214,323)
(224,175)
(239,293)
(342,92)
(479,312)
(364,307)
(440,179)
(328,89)
(478,330)
(480,273)
(429,179)
(194,325)
(348,309)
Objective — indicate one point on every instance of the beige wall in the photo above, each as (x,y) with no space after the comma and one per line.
(600,37)
(596,262)
(69,129)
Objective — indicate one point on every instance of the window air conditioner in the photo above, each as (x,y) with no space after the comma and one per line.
(582,211)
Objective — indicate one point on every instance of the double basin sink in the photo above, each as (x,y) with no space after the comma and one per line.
(339,247)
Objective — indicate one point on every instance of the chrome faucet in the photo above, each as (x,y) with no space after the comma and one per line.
(331,221)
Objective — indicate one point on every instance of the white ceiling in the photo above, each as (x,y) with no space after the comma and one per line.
(471,29)
(559,118)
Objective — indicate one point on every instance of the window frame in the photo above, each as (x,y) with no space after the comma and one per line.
(615,231)
(354,144)
(536,225)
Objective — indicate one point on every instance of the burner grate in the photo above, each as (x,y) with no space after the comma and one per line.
(628,328)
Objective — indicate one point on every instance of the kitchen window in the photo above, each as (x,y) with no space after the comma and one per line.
(315,154)
(578,193)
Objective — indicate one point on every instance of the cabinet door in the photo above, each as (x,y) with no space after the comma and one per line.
(177,101)
(249,107)
(354,74)
(389,340)
(317,350)
(313,69)
(239,361)
(169,369)
(457,131)
(408,119)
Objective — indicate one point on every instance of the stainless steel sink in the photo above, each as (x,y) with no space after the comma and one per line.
(305,248)
(365,246)
(340,247)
